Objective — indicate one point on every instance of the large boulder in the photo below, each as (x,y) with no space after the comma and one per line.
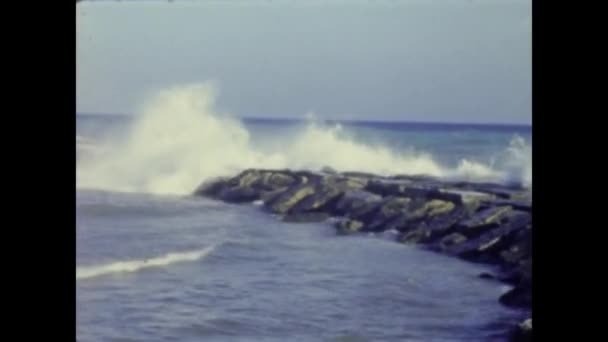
(347,226)
(304,177)
(451,240)
(365,212)
(329,170)
(247,177)
(353,200)
(356,174)
(247,186)
(520,248)
(238,194)
(270,181)
(386,187)
(212,187)
(517,274)
(489,246)
(387,210)
(438,222)
(284,201)
(483,221)
(327,193)
(521,205)
(227,190)
(267,196)
(518,297)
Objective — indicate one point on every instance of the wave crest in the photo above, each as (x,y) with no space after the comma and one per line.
(86,272)
(179,139)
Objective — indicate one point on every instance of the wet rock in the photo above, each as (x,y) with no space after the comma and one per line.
(483,221)
(348,226)
(326,194)
(306,217)
(415,235)
(354,199)
(365,213)
(329,170)
(211,187)
(238,195)
(355,174)
(417,210)
(241,188)
(390,213)
(308,177)
(228,190)
(392,206)
(481,249)
(321,197)
(451,240)
(289,198)
(517,252)
(468,198)
(247,177)
(521,248)
(498,190)
(522,332)
(385,187)
(274,180)
(515,204)
(434,208)
(488,246)
(519,274)
(268,196)
(430,228)
(518,297)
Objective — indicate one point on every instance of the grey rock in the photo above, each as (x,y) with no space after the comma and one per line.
(289,198)
(275,180)
(429,229)
(326,194)
(328,170)
(354,199)
(515,204)
(518,297)
(239,194)
(268,196)
(451,240)
(348,226)
(212,187)
(482,221)
(487,247)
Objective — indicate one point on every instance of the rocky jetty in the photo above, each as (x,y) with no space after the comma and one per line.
(480,222)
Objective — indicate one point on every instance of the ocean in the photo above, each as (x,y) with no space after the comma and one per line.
(155,263)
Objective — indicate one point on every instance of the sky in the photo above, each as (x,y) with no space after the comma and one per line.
(463,61)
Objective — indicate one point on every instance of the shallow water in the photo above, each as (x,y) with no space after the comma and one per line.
(178,268)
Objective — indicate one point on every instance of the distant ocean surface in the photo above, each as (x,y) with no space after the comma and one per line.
(156,264)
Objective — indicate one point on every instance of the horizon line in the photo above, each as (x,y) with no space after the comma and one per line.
(252,117)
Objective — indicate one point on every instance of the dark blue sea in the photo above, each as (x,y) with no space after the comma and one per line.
(157,264)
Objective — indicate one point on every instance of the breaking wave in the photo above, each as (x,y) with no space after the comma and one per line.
(85,272)
(179,139)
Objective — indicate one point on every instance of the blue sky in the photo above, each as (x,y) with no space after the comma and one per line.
(408,60)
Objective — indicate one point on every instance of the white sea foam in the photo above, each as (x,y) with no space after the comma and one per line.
(179,140)
(85,272)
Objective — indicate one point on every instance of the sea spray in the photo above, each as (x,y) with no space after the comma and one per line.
(178,139)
